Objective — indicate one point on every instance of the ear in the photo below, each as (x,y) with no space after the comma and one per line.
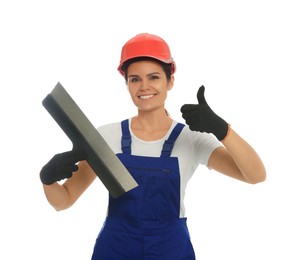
(171,83)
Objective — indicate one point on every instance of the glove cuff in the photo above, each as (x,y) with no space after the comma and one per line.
(227,133)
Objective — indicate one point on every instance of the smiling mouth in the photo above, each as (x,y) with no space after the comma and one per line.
(146,96)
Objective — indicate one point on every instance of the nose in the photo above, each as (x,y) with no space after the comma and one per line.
(144,85)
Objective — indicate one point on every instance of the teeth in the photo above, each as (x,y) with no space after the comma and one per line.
(146,97)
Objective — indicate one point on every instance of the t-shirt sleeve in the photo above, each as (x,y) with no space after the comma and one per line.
(201,145)
(112,133)
(206,145)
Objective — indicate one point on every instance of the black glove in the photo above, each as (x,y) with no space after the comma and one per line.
(61,166)
(200,117)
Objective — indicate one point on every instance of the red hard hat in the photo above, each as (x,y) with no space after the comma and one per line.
(146,45)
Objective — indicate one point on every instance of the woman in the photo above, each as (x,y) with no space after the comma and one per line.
(149,221)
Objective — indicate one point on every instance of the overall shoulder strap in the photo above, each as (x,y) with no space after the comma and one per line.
(169,143)
(126,137)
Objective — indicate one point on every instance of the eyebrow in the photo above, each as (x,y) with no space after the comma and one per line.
(150,74)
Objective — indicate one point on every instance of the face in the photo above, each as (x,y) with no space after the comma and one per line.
(148,85)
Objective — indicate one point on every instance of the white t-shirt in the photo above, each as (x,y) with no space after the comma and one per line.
(191,148)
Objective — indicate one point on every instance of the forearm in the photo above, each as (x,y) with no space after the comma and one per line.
(245,157)
(57,195)
(64,196)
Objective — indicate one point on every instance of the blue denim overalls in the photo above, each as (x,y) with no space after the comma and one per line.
(144,223)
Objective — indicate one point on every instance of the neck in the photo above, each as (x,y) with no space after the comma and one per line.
(151,120)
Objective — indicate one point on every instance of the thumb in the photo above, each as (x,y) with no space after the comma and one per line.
(200,96)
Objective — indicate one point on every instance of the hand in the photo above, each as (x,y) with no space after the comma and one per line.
(61,166)
(200,117)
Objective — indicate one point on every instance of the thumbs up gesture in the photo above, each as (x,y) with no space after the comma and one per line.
(200,117)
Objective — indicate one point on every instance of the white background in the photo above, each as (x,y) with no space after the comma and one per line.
(242,51)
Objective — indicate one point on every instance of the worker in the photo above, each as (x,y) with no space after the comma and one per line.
(149,221)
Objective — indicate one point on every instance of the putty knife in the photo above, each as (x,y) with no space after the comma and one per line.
(85,136)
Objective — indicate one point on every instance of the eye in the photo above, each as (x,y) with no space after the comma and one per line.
(133,79)
(154,77)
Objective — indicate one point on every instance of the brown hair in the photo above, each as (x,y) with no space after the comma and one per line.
(166,67)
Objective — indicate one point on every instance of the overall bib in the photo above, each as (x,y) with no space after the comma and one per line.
(144,223)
